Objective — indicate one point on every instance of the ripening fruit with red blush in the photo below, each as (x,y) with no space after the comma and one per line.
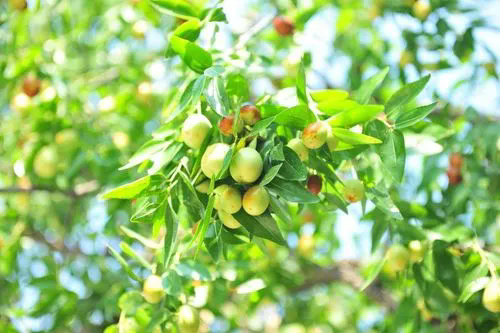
(31,85)
(456,160)
(250,114)
(315,134)
(283,26)
(314,183)
(226,125)
(354,190)
(454,176)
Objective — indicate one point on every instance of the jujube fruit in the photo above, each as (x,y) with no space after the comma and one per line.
(315,134)
(246,165)
(299,148)
(19,4)
(421,9)
(203,187)
(397,258)
(226,125)
(228,220)
(194,130)
(283,26)
(152,290)
(454,176)
(188,319)
(354,190)
(213,159)
(417,250)
(31,85)
(227,198)
(67,139)
(491,295)
(306,245)
(456,160)
(46,161)
(256,200)
(314,183)
(250,114)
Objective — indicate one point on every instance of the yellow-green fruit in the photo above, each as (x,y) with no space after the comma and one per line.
(396,259)
(421,9)
(491,295)
(298,147)
(354,190)
(406,58)
(227,199)
(46,161)
(315,134)
(203,187)
(195,130)
(19,4)
(228,220)
(256,200)
(331,140)
(67,140)
(246,165)
(306,245)
(213,159)
(417,250)
(189,319)
(153,289)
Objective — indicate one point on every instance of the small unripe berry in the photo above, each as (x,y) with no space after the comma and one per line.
(189,319)
(139,29)
(228,220)
(203,187)
(246,165)
(315,134)
(153,289)
(195,130)
(421,9)
(227,199)
(454,176)
(456,160)
(417,250)
(31,85)
(256,200)
(354,190)
(213,159)
(299,148)
(397,258)
(226,125)
(283,26)
(250,114)
(491,295)
(314,183)
(46,161)
(306,245)
(120,139)
(67,139)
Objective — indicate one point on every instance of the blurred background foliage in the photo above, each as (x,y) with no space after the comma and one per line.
(83,86)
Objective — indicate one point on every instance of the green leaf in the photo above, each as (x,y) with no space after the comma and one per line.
(193,270)
(354,138)
(444,267)
(298,116)
(143,240)
(263,124)
(403,96)
(171,226)
(189,30)
(178,8)
(292,167)
(332,107)
(217,98)
(194,56)
(190,199)
(132,190)
(270,174)
(134,255)
(332,95)
(279,209)
(202,228)
(410,118)
(358,115)
(225,164)
(336,200)
(379,227)
(373,273)
(214,71)
(163,158)
(130,301)
(261,226)
(366,90)
(145,152)
(123,263)
(291,191)
(237,87)
(472,288)
(213,241)
(301,84)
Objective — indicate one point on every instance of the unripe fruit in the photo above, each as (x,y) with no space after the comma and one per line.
(354,190)
(250,114)
(454,176)
(189,319)
(226,125)
(19,4)
(246,165)
(456,160)
(306,245)
(139,29)
(67,139)
(153,289)
(406,58)
(31,85)
(314,183)
(144,91)
(283,26)
(299,148)
(315,134)
(195,130)
(120,139)
(491,295)
(256,200)
(213,159)
(227,199)
(397,258)
(417,250)
(20,102)
(46,161)
(421,9)
(331,140)
(228,220)
(203,187)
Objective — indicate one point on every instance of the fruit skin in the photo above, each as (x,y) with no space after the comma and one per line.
(31,85)
(153,289)
(421,9)
(227,199)
(454,176)
(250,114)
(354,190)
(203,187)
(299,148)
(188,319)
(417,250)
(228,220)
(226,125)
(283,26)
(256,200)
(195,130)
(491,295)
(67,140)
(306,245)
(213,159)
(19,4)
(46,161)
(456,160)
(314,183)
(397,258)
(406,58)
(315,134)
(246,165)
